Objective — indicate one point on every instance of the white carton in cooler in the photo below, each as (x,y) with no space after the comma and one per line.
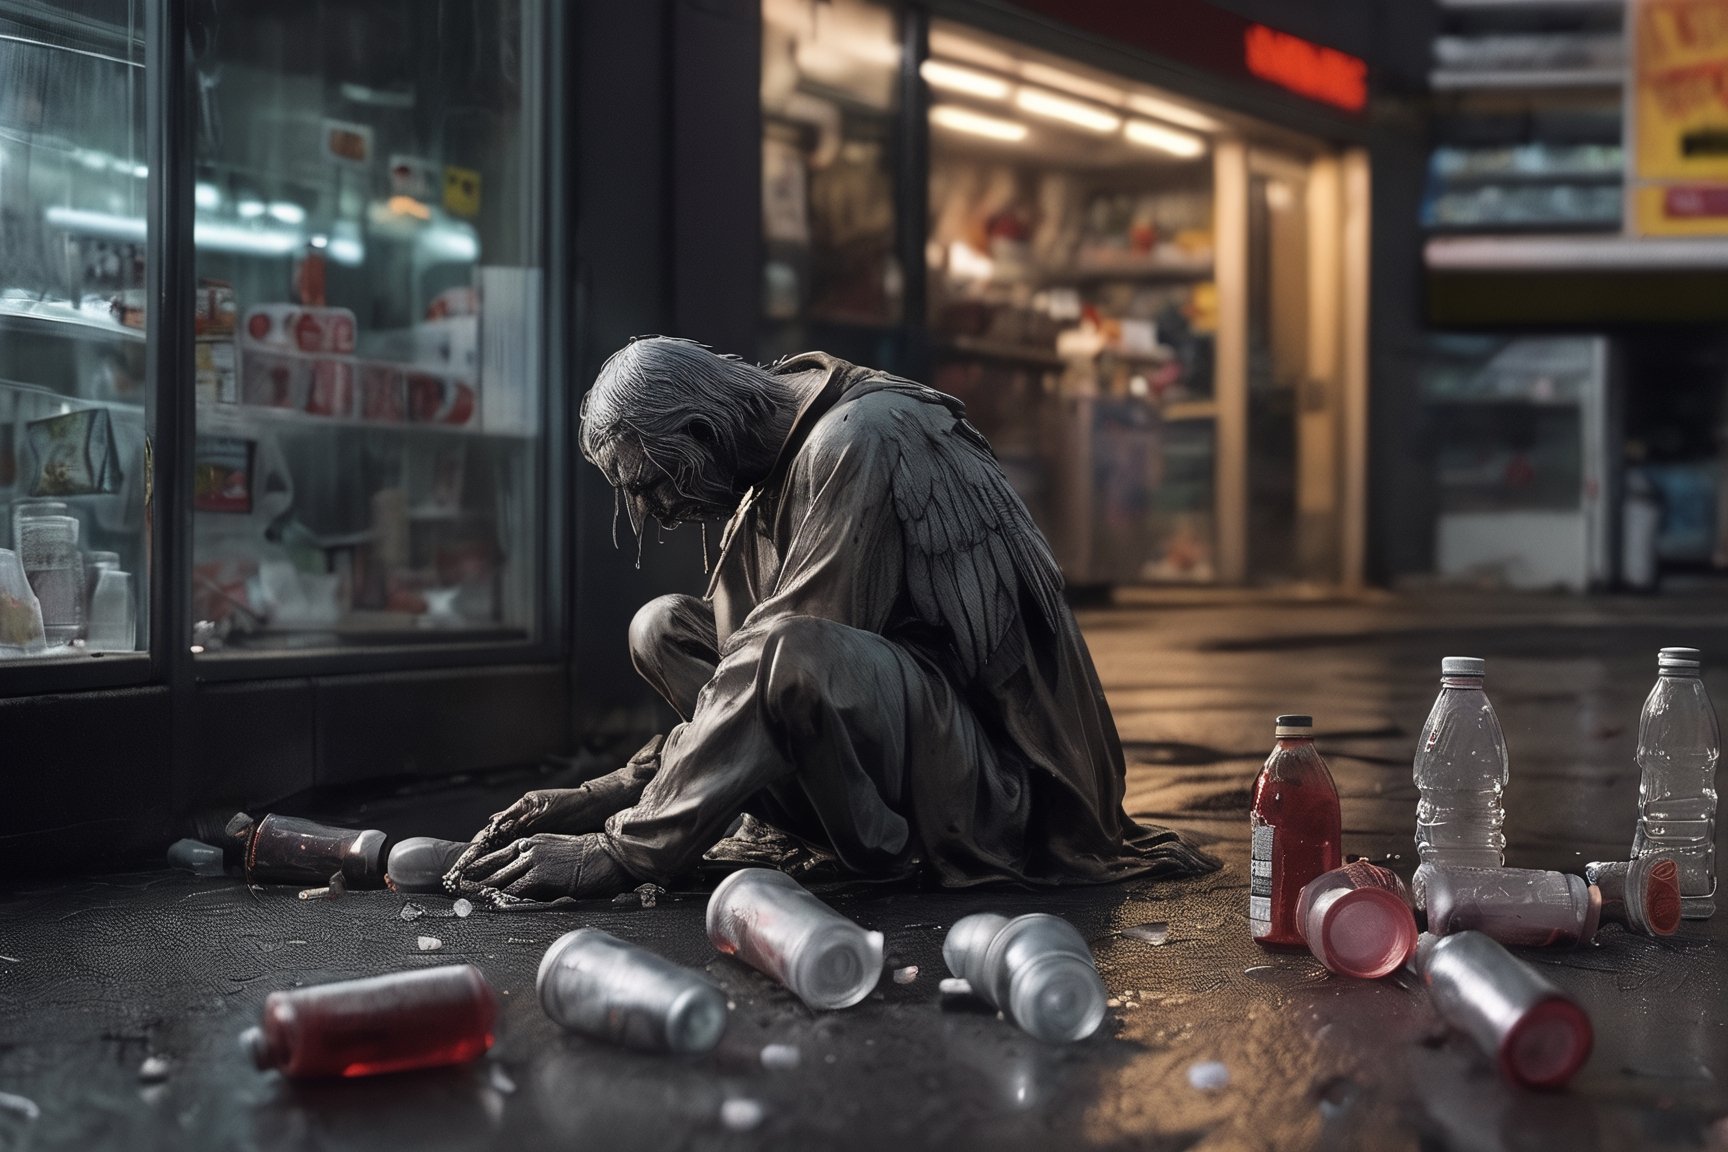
(450,344)
(510,342)
(215,378)
(271,379)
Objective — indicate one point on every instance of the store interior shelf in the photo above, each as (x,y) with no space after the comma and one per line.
(1562,227)
(246,419)
(85,29)
(54,396)
(362,627)
(1555,176)
(1460,80)
(1001,350)
(1528,401)
(1182,410)
(1571,252)
(62,319)
(1090,270)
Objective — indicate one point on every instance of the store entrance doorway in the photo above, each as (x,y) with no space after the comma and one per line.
(1293,399)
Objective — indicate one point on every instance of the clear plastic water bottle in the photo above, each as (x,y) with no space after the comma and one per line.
(1461,773)
(1678,745)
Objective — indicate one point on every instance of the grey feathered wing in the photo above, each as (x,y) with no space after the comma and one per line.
(974,557)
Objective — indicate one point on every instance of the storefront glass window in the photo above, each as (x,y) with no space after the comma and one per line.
(367,325)
(74,563)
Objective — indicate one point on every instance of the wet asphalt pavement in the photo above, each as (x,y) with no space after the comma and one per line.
(96,975)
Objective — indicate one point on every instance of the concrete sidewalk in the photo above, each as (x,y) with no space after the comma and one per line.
(97,974)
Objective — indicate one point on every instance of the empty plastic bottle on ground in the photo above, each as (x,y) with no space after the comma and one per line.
(1678,745)
(1461,772)
(1035,969)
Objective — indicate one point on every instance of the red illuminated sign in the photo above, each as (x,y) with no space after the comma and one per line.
(1310,70)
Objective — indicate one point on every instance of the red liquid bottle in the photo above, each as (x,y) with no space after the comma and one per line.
(419,1019)
(1296,831)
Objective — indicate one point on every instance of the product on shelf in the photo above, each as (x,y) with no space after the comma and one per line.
(438,399)
(215,309)
(111,623)
(214,379)
(55,569)
(298,358)
(74,454)
(383,392)
(21,632)
(222,474)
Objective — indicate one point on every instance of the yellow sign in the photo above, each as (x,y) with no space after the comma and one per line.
(461,191)
(1682,117)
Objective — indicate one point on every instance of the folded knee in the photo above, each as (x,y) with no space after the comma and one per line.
(801,654)
(654,626)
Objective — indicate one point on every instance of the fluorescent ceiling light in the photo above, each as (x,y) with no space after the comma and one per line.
(214,234)
(957,79)
(1173,112)
(226,237)
(1068,82)
(250,209)
(959,119)
(206,195)
(1054,107)
(1171,140)
(105,224)
(953,46)
(288,212)
(450,242)
(346,251)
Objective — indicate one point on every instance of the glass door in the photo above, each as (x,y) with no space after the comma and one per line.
(369,217)
(74,406)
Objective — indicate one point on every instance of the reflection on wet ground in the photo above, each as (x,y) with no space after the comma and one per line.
(1210,1041)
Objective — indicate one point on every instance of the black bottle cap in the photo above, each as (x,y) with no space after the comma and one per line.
(1294,721)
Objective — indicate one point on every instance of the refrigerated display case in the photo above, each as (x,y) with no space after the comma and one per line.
(281,476)
(369,275)
(74,401)
(1524,457)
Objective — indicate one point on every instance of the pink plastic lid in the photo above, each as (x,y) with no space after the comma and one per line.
(1548,1045)
(1661,897)
(1366,933)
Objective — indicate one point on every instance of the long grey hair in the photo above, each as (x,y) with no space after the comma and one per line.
(689,409)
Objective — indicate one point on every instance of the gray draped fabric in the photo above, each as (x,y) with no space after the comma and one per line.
(884,667)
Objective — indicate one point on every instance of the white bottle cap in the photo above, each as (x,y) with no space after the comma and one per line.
(1677,658)
(1463,666)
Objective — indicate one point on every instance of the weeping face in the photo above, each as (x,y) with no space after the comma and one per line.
(693,488)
